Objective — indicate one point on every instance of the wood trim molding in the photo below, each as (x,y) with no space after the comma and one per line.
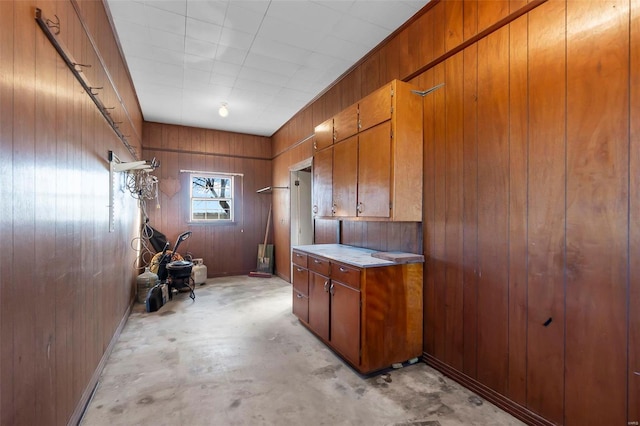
(482,34)
(81,407)
(182,151)
(293,146)
(499,400)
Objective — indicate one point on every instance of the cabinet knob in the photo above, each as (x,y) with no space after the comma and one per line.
(326,286)
(332,290)
(334,208)
(315,209)
(360,207)
(299,296)
(343,269)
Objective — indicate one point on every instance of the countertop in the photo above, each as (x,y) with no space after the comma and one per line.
(350,255)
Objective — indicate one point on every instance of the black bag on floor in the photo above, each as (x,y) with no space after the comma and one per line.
(154,299)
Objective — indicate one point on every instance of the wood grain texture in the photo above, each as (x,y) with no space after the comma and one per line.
(470,219)
(322,183)
(70,282)
(439,219)
(429,184)
(7,413)
(493,175)
(518,185)
(597,211)
(319,300)
(345,323)
(546,218)
(374,188)
(345,177)
(633,398)
(454,206)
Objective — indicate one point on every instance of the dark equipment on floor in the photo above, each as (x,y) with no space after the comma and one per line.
(177,274)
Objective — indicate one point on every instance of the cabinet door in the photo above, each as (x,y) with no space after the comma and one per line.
(374,171)
(323,135)
(375,108)
(319,304)
(322,182)
(345,321)
(345,124)
(345,177)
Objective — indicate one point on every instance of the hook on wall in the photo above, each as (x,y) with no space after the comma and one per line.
(55,24)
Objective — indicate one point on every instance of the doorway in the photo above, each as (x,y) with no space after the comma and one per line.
(301,216)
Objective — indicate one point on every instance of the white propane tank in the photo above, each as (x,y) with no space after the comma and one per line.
(199,272)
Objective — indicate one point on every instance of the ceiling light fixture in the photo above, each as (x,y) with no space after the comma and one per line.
(223,111)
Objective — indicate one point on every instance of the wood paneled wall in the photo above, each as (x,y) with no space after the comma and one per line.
(66,282)
(226,249)
(531,198)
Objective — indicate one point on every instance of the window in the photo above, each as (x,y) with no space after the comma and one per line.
(211,198)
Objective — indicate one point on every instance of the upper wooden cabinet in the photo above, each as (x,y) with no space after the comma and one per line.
(375,108)
(323,135)
(345,123)
(376,170)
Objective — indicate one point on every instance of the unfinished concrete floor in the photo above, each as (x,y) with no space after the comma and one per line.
(237,356)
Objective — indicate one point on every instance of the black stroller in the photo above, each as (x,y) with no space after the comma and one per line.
(176,274)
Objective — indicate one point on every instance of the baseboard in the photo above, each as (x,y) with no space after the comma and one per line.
(76,417)
(499,400)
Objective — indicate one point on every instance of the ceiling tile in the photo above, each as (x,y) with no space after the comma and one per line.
(265,58)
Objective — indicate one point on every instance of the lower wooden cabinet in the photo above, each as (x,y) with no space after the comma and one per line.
(371,317)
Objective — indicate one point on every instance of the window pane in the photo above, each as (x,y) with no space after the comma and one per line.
(211,209)
(210,187)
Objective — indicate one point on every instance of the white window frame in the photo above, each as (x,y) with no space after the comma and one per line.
(231,199)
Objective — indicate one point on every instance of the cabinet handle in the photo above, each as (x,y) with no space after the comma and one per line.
(332,290)
(316,261)
(334,207)
(326,285)
(315,145)
(299,269)
(360,207)
(343,269)
(315,208)
(298,255)
(299,296)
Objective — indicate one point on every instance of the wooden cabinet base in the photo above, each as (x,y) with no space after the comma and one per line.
(371,317)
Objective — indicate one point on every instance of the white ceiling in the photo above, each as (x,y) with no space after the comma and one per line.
(266,59)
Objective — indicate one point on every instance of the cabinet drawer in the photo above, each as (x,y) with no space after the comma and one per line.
(319,265)
(346,275)
(299,259)
(301,280)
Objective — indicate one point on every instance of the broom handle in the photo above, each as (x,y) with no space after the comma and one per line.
(266,233)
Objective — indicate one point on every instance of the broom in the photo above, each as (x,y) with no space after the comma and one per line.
(264,262)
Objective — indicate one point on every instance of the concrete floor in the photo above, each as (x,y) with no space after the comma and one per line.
(237,356)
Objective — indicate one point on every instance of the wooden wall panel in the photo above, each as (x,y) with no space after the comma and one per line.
(633,399)
(518,185)
(546,219)
(225,249)
(493,193)
(536,155)
(470,210)
(597,211)
(24,332)
(6,212)
(454,207)
(64,292)
(429,214)
(439,217)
